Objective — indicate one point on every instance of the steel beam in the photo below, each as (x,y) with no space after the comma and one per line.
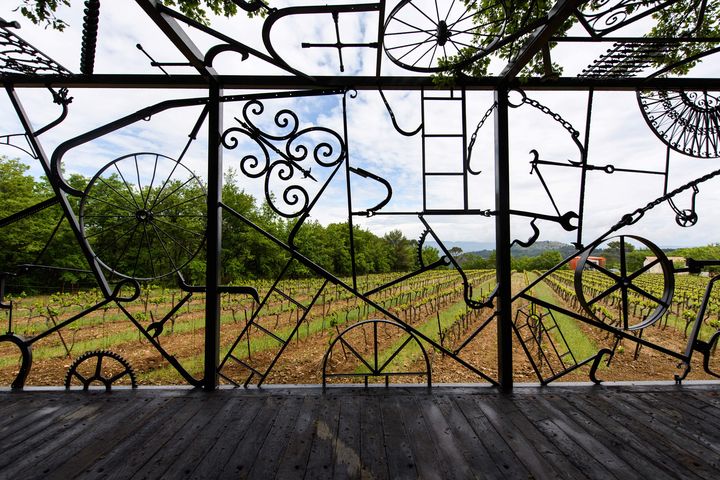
(286,82)
(214,238)
(502,242)
(556,17)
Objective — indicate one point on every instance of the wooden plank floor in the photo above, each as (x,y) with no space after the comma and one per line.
(612,431)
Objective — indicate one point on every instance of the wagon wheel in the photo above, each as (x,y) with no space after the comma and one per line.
(143,216)
(424,35)
(591,288)
(103,367)
(686,121)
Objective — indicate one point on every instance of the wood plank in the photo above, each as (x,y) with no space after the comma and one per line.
(399,454)
(190,455)
(241,459)
(163,436)
(187,437)
(139,438)
(652,433)
(322,451)
(676,423)
(293,462)
(265,461)
(551,424)
(46,431)
(426,457)
(372,450)
(500,451)
(467,441)
(645,458)
(679,409)
(450,457)
(347,446)
(699,408)
(121,418)
(523,437)
(226,440)
(15,406)
(708,397)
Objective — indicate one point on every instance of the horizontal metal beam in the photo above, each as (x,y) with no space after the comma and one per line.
(286,82)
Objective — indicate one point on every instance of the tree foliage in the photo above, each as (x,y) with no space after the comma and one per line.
(116,239)
(683,19)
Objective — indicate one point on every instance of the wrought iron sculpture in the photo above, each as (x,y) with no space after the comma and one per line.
(140,199)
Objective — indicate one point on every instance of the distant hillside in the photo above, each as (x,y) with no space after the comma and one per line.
(533,250)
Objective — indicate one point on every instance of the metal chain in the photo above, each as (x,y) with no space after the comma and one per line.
(556,116)
(473,137)
(632,218)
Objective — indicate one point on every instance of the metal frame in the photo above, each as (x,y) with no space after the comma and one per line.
(616,70)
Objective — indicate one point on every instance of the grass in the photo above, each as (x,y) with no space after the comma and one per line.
(581,346)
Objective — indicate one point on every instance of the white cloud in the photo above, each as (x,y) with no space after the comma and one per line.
(619,136)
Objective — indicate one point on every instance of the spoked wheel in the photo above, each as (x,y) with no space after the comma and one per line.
(632,292)
(436,35)
(143,215)
(686,121)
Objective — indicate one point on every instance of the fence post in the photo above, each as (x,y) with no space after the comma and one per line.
(502,242)
(214,237)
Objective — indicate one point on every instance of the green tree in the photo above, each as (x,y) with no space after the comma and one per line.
(22,241)
(44,11)
(401,251)
(685,18)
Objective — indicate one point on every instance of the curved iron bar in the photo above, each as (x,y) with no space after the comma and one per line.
(388,195)
(374,367)
(693,343)
(63,148)
(685,121)
(61,98)
(26,358)
(617,15)
(218,49)
(533,238)
(7,140)
(686,217)
(406,133)
(467,288)
(276,15)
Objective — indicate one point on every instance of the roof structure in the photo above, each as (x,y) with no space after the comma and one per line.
(446,51)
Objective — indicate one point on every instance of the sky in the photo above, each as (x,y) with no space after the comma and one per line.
(619,135)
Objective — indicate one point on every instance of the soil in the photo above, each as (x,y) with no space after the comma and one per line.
(302,359)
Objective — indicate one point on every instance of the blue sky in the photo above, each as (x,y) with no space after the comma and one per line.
(619,136)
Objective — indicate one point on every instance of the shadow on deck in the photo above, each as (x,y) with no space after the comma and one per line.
(625,431)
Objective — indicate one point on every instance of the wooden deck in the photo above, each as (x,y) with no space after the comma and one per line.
(628,431)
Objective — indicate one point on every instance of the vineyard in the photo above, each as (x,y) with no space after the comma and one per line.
(253,334)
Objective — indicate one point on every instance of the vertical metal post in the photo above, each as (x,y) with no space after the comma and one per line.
(214,238)
(502,241)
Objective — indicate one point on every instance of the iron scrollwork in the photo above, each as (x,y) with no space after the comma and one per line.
(19,57)
(286,156)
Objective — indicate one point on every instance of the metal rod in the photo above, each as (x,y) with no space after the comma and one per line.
(214,238)
(286,82)
(502,242)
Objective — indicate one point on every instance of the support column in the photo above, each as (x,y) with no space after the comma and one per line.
(214,238)
(502,242)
